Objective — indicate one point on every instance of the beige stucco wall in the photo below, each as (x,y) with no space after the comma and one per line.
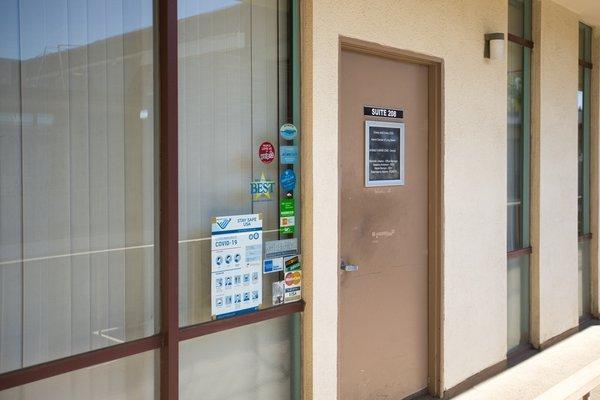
(554,172)
(474,152)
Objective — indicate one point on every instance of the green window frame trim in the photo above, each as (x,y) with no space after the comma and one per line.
(585,58)
(586,149)
(525,145)
(519,175)
(525,212)
(526,124)
(296,378)
(583,171)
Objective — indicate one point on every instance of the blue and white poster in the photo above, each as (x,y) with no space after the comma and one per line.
(236,267)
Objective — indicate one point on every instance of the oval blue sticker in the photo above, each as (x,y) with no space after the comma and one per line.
(288,179)
(288,131)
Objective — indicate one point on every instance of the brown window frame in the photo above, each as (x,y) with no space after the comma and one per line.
(167,340)
(519,252)
(520,40)
(586,64)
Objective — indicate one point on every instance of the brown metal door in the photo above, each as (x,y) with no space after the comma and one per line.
(383,310)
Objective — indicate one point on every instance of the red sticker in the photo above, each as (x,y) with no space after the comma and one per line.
(266,153)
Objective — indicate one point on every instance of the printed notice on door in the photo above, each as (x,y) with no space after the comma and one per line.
(236,273)
(384,153)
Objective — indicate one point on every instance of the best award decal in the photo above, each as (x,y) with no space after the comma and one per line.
(262,189)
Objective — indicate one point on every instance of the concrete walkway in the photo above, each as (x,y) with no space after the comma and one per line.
(544,371)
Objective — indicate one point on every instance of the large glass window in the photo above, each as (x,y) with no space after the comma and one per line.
(518,174)
(516,190)
(233,75)
(251,362)
(77,182)
(237,80)
(583,163)
(80,145)
(234,91)
(129,378)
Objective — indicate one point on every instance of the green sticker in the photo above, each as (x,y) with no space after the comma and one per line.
(287,215)
(291,264)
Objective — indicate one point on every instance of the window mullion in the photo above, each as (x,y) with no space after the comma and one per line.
(169,212)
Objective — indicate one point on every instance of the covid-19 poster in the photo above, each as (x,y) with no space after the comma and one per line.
(236,273)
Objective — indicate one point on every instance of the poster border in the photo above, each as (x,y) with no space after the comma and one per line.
(387,182)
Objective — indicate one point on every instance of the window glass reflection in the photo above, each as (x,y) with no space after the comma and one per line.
(516,9)
(77,268)
(515,146)
(580,149)
(518,301)
(233,96)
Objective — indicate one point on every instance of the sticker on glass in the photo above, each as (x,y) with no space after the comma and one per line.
(281,248)
(287,179)
(266,152)
(288,154)
(272,265)
(278,292)
(287,216)
(292,263)
(292,270)
(288,131)
(262,189)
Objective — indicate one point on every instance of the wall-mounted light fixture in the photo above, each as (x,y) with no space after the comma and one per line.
(494,46)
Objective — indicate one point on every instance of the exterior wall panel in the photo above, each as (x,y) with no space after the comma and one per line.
(474,164)
(554,172)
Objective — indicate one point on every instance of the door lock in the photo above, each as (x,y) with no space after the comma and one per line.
(348,267)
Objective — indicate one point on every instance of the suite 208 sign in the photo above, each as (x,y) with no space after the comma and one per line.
(384,153)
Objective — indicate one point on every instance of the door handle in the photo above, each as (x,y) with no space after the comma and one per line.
(348,267)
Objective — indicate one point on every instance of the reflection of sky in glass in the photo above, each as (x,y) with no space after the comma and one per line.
(188,8)
(9,33)
(50,24)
